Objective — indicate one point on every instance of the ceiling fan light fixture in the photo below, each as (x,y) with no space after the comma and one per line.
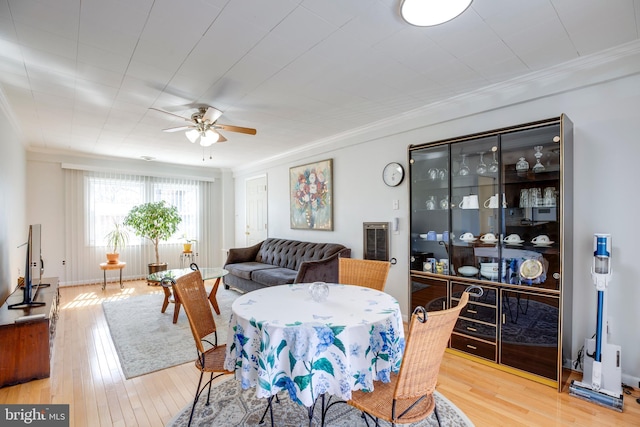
(426,13)
(192,135)
(209,138)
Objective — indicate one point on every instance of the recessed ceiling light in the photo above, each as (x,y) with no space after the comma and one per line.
(147,158)
(426,13)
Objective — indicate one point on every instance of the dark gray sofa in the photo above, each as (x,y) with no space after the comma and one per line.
(282,261)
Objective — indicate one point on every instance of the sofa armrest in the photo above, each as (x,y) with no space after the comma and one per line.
(324,270)
(237,255)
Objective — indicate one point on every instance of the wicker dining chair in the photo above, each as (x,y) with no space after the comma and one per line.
(408,397)
(193,296)
(363,272)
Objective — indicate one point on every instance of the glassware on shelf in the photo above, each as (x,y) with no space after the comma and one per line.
(433,174)
(524,198)
(538,167)
(430,204)
(493,166)
(464,169)
(482,166)
(535,198)
(444,203)
(522,165)
(443,174)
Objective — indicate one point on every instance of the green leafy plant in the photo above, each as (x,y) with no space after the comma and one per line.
(117,238)
(155,221)
(187,239)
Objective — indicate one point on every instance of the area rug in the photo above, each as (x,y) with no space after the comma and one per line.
(232,406)
(147,340)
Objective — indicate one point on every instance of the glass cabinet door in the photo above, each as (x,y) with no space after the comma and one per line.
(475,208)
(531,179)
(430,209)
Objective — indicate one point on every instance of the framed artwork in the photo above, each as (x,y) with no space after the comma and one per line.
(311,196)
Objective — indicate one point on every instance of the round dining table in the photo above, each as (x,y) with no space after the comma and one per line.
(280,338)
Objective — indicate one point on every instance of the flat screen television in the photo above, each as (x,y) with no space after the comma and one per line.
(34,267)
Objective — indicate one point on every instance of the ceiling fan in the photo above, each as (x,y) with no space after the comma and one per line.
(202,126)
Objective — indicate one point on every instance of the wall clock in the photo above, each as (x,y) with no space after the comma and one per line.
(393,174)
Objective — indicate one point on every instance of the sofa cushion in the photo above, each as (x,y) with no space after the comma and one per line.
(245,270)
(274,276)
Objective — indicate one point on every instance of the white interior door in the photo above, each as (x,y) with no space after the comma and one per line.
(256,203)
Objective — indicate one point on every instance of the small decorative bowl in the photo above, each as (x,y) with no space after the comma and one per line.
(319,291)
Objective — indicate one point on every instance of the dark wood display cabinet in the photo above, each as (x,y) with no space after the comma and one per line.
(494,209)
(26,335)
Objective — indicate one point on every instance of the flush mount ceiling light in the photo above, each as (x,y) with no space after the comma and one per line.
(426,13)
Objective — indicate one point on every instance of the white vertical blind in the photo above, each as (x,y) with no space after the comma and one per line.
(94,200)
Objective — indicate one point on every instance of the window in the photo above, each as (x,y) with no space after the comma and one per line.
(110,198)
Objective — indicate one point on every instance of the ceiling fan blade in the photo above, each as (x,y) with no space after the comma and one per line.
(211,115)
(239,129)
(221,138)
(178,129)
(171,114)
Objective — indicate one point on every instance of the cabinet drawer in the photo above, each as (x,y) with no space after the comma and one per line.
(479,312)
(476,329)
(473,346)
(489,296)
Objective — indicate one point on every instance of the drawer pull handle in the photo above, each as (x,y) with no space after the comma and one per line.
(472,311)
(472,347)
(469,328)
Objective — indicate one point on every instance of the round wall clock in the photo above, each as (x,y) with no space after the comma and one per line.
(393,174)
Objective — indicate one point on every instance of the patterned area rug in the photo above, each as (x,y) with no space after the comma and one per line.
(142,335)
(231,406)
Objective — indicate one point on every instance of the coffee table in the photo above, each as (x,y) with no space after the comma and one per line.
(207,274)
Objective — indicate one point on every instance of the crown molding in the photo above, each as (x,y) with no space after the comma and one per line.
(601,67)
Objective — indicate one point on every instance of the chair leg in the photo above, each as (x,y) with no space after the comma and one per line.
(195,400)
(268,408)
(209,392)
(435,411)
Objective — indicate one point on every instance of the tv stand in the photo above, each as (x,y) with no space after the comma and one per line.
(26,305)
(29,298)
(26,335)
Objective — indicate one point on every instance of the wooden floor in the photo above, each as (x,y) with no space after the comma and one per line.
(86,374)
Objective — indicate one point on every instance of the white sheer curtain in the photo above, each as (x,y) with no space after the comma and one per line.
(94,200)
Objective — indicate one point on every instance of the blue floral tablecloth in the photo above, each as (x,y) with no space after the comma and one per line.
(281,339)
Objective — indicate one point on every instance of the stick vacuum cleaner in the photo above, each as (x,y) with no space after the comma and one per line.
(602,375)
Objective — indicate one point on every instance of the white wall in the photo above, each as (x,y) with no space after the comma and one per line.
(607,157)
(46,204)
(13,225)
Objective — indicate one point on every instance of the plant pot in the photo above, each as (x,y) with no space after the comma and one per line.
(112,258)
(186,248)
(154,268)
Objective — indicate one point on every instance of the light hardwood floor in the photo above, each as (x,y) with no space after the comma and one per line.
(86,374)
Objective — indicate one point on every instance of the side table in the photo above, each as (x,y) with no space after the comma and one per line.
(186,258)
(104,266)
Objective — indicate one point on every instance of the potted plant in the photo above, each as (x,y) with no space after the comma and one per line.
(186,247)
(155,221)
(116,239)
